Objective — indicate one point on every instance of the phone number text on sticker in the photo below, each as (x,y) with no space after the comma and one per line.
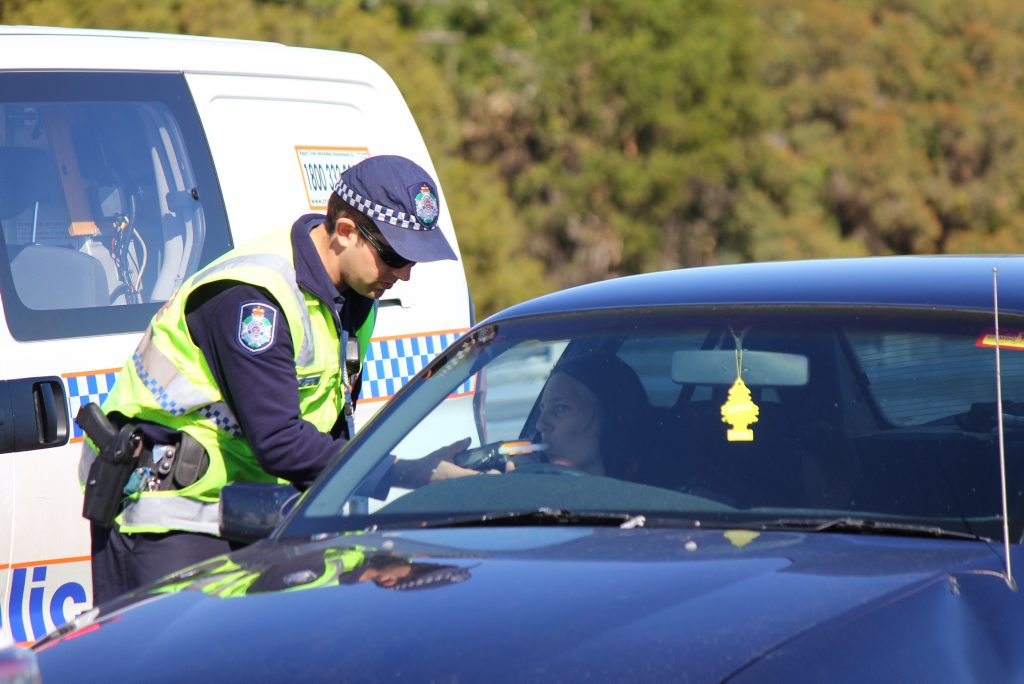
(322,166)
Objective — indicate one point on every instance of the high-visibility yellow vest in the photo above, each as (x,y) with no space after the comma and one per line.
(224,578)
(169,383)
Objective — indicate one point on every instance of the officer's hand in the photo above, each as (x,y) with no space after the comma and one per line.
(446,470)
(435,467)
(418,472)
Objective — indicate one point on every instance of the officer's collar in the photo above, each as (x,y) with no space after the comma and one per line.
(309,268)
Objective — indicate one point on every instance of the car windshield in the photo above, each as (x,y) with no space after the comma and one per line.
(845,419)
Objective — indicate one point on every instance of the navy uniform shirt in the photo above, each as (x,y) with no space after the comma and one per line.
(261,386)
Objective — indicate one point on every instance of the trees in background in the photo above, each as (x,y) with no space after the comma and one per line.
(581,140)
(906,115)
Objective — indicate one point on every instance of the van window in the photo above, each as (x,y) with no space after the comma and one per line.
(108,200)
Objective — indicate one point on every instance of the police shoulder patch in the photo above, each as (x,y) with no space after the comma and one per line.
(256,323)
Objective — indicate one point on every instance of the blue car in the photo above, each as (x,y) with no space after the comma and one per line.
(779,472)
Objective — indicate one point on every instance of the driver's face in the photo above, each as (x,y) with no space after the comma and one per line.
(569,422)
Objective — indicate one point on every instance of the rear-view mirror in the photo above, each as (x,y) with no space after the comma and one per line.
(718,367)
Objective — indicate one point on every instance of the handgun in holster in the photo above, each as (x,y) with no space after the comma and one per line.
(119,450)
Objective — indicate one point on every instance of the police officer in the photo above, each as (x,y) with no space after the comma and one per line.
(250,371)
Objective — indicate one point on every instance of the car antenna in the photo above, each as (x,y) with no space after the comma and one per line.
(999,426)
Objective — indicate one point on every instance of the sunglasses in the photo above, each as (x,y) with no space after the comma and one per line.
(388,255)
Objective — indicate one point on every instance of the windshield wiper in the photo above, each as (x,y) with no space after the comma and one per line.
(540,516)
(865,526)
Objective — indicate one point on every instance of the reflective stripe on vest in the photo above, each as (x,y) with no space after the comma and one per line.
(172,512)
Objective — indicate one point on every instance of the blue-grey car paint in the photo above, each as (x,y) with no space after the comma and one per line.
(595,604)
(602,605)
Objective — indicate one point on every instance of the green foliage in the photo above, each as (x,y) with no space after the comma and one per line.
(620,128)
(914,104)
(500,273)
(579,140)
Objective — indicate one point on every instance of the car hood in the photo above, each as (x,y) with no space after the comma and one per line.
(530,604)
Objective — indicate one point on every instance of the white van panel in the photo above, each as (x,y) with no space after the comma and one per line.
(236,114)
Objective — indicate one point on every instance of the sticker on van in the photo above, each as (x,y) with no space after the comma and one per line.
(321,168)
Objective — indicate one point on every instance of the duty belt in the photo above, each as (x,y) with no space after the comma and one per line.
(125,464)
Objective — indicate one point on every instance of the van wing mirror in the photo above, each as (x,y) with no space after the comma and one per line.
(718,367)
(250,511)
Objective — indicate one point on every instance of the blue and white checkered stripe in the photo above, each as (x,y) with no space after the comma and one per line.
(159,392)
(391,363)
(220,414)
(94,388)
(378,211)
(87,389)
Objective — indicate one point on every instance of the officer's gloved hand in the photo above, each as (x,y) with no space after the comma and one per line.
(434,467)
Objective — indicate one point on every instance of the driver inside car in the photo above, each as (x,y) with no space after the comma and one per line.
(589,416)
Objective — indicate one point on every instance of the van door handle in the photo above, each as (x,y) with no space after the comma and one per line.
(33,414)
(47,418)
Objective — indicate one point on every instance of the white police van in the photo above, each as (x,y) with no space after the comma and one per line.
(127,162)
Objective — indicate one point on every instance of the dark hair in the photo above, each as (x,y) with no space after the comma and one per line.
(338,208)
(430,576)
(623,401)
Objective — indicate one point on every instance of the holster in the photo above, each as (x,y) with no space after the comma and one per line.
(119,450)
(171,466)
(122,451)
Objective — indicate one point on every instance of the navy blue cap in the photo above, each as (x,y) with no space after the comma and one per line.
(402,200)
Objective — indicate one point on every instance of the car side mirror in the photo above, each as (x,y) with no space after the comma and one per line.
(250,511)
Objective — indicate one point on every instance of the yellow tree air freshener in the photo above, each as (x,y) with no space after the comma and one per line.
(739,410)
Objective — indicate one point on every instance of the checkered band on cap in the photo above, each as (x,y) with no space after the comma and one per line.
(377,211)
